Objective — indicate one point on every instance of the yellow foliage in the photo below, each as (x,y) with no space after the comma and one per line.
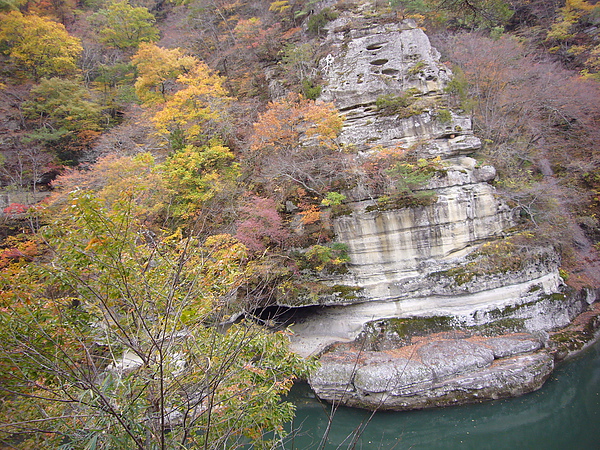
(156,66)
(280,6)
(189,110)
(43,48)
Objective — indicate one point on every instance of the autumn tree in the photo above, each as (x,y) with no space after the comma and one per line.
(294,143)
(467,14)
(259,225)
(112,84)
(63,114)
(10,5)
(193,176)
(123,26)
(158,69)
(492,11)
(522,98)
(118,346)
(60,10)
(539,121)
(571,41)
(109,178)
(38,46)
(196,113)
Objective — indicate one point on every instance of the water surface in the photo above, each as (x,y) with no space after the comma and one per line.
(564,414)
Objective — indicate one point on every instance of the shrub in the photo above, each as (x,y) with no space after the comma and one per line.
(318,21)
(329,258)
(401,105)
(444,116)
(310,89)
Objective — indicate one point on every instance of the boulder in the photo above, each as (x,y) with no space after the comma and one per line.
(439,373)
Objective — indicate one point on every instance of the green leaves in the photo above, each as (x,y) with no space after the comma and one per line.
(59,104)
(194,175)
(124,26)
(119,325)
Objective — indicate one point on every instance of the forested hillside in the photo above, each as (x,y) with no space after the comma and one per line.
(169,165)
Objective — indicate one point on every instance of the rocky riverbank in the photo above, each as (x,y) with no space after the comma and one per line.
(405,364)
(451,302)
(441,370)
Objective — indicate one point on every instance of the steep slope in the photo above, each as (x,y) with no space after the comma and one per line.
(452,260)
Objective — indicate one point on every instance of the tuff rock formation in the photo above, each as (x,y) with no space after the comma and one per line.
(439,373)
(438,268)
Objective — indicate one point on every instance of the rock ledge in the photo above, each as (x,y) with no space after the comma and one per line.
(439,371)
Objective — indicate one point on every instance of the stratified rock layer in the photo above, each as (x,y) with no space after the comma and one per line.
(421,263)
(387,247)
(439,373)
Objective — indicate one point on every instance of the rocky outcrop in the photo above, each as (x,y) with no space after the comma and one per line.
(373,62)
(428,361)
(393,250)
(430,272)
(389,247)
(439,373)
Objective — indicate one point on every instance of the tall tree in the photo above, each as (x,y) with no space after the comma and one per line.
(38,46)
(540,122)
(194,175)
(119,348)
(63,115)
(196,113)
(158,69)
(124,26)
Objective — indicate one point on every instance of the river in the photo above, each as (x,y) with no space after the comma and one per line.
(564,414)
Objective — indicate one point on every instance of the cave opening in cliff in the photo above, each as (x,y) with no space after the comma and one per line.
(280,317)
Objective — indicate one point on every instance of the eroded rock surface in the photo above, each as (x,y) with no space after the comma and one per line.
(386,60)
(438,373)
(387,248)
(433,261)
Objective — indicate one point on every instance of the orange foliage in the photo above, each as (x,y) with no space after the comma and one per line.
(311,215)
(18,252)
(289,122)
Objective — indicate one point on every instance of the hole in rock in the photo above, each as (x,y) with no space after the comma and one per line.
(280,317)
(379,62)
(375,46)
(389,71)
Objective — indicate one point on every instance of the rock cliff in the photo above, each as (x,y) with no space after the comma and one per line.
(454,260)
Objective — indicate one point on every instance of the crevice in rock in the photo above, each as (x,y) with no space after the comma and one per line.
(379,62)
(280,317)
(375,46)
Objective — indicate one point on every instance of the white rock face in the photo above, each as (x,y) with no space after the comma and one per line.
(405,260)
(387,247)
(380,60)
(392,60)
(530,302)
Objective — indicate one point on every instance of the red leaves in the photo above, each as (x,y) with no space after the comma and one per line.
(15,209)
(261,225)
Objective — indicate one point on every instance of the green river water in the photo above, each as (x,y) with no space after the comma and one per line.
(564,414)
